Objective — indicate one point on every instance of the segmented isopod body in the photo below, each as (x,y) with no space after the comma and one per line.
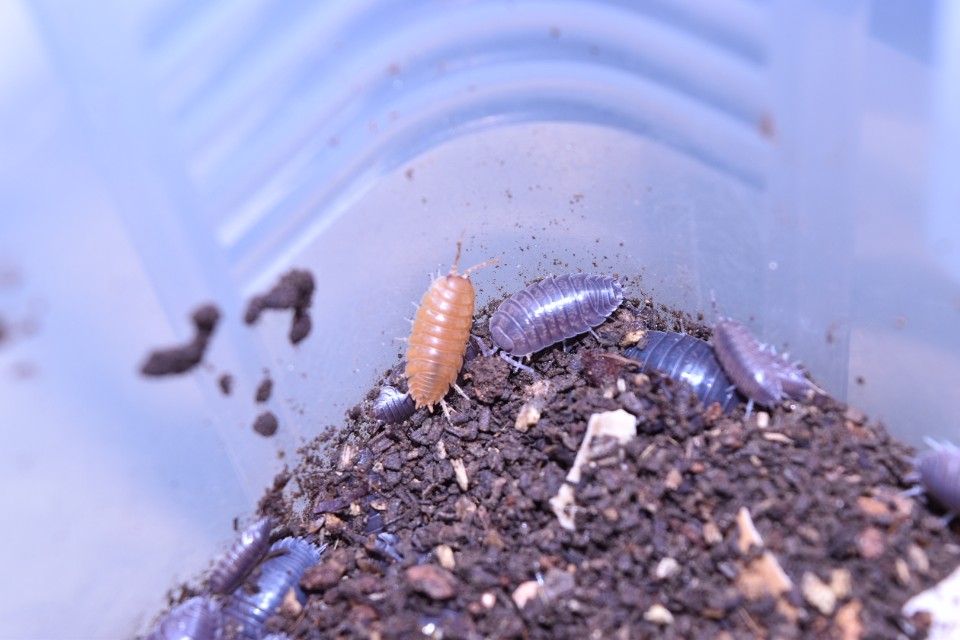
(939,470)
(392,406)
(287,559)
(684,357)
(246,551)
(758,373)
(198,619)
(441,329)
(552,310)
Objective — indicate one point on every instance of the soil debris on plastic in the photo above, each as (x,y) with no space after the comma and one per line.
(293,291)
(177,360)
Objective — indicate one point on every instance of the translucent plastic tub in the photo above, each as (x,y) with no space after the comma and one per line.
(790,156)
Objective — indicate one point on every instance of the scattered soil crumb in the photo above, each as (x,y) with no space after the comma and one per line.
(226,384)
(294,291)
(264,390)
(177,360)
(266,424)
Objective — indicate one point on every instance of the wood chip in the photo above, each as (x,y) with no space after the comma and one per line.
(871,543)
(321,577)
(529,415)
(841,582)
(460,472)
(291,604)
(872,507)
(763,419)
(564,505)
(848,622)
(618,424)
(818,593)
(666,568)
(749,536)
(763,577)
(778,437)
(942,602)
(673,480)
(918,558)
(711,534)
(431,581)
(658,614)
(445,557)
(631,338)
(526,592)
(903,571)
(347,455)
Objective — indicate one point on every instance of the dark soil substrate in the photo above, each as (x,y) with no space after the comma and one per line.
(657,523)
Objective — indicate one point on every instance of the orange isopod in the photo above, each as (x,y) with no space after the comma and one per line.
(439,337)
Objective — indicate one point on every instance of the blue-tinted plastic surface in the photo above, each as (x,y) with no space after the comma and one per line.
(790,156)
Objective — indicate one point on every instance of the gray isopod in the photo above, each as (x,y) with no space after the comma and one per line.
(392,406)
(684,357)
(196,619)
(939,470)
(758,372)
(247,550)
(246,613)
(552,310)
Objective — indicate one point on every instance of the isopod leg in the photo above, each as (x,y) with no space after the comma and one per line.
(912,492)
(457,388)
(749,409)
(483,347)
(516,364)
(447,411)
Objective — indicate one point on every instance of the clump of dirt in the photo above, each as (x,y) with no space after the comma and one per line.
(266,424)
(176,360)
(788,524)
(294,291)
(264,389)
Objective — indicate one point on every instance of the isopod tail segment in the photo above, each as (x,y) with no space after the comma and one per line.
(438,339)
(761,375)
(938,472)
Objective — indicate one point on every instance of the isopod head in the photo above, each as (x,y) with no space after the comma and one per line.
(393,406)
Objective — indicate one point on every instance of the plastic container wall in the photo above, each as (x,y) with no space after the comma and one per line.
(176,152)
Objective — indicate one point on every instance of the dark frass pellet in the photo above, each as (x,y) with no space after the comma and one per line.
(266,424)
